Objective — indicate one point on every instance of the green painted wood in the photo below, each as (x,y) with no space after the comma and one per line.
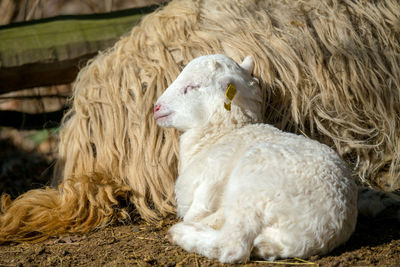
(57,45)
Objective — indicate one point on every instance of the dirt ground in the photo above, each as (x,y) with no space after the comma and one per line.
(26,162)
(375,243)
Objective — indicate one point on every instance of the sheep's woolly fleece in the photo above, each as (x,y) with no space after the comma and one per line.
(329,69)
(245,187)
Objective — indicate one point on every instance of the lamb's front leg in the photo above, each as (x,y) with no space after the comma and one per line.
(195,237)
(197,231)
(232,240)
(205,201)
(229,243)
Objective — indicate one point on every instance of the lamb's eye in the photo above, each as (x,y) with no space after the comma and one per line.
(190,87)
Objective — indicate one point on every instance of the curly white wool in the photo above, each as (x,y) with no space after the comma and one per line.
(244,184)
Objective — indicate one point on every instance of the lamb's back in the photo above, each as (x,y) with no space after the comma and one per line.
(300,182)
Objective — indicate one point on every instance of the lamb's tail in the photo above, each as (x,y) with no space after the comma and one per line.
(372,203)
(78,205)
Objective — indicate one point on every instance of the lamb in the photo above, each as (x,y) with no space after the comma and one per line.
(246,188)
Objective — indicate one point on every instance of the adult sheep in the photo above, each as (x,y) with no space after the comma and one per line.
(329,69)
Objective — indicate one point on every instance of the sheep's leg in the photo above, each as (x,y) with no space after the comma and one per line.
(232,243)
(215,220)
(196,212)
(195,237)
(240,204)
(204,202)
(241,227)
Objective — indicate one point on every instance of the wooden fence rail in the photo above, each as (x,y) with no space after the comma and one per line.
(50,51)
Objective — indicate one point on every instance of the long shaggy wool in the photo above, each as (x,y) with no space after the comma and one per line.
(78,205)
(330,69)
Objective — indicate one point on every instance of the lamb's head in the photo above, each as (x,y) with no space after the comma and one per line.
(197,96)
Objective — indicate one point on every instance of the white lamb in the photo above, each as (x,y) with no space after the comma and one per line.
(246,187)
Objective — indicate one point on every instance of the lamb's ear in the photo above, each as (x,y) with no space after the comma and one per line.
(225,81)
(248,64)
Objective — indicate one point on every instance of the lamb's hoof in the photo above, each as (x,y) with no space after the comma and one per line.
(180,234)
(234,253)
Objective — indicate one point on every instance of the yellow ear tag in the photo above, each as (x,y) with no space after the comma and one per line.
(230,94)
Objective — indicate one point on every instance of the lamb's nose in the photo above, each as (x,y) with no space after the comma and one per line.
(157,107)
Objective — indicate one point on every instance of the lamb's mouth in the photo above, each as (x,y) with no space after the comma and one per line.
(161,116)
